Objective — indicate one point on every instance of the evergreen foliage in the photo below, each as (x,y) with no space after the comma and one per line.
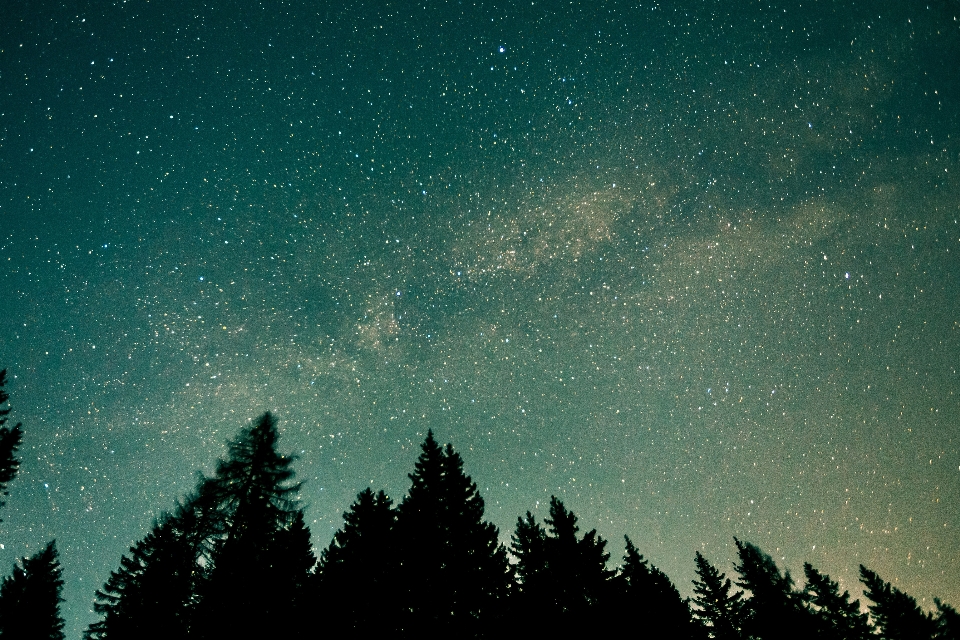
(360,567)
(10,440)
(453,567)
(896,615)
(773,611)
(30,598)
(235,560)
(836,616)
(256,500)
(947,621)
(650,594)
(152,591)
(720,611)
(561,575)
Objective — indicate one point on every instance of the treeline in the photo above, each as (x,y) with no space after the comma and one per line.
(234,560)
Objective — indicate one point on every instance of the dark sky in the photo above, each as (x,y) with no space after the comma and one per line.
(693,267)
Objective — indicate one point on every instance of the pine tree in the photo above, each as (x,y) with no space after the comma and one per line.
(837,618)
(359,570)
(152,591)
(649,594)
(455,571)
(773,610)
(561,575)
(155,588)
(10,440)
(948,621)
(245,594)
(720,610)
(896,615)
(30,598)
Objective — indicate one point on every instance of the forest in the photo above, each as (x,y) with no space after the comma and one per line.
(234,559)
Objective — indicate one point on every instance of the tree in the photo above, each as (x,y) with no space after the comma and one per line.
(649,594)
(896,615)
(10,440)
(30,598)
(154,590)
(948,621)
(360,567)
(247,590)
(773,611)
(561,575)
(720,610)
(454,570)
(837,618)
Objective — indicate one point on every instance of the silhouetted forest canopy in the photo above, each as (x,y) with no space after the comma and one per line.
(234,559)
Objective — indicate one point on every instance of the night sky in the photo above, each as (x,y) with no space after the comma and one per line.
(690,266)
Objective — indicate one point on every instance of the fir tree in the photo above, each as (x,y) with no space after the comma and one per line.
(455,571)
(773,611)
(837,617)
(156,587)
(10,440)
(896,615)
(650,594)
(947,621)
(719,610)
(360,568)
(30,598)
(255,496)
(561,575)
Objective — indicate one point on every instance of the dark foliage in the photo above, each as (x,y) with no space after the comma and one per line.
(835,616)
(561,575)
(10,440)
(773,611)
(30,598)
(719,608)
(649,594)
(896,615)
(256,500)
(454,570)
(948,621)
(360,567)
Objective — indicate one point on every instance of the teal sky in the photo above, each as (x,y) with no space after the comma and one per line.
(694,269)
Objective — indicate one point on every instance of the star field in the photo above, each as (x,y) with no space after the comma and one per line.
(693,268)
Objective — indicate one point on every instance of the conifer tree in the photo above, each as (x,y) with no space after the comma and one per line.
(358,571)
(647,592)
(10,440)
(896,615)
(947,621)
(837,617)
(30,598)
(719,610)
(156,587)
(455,571)
(773,610)
(561,575)
(256,499)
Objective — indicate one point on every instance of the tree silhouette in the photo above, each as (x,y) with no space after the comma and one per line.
(563,577)
(454,570)
(360,567)
(154,590)
(837,618)
(10,440)
(947,621)
(896,615)
(773,611)
(30,598)
(649,594)
(720,610)
(248,590)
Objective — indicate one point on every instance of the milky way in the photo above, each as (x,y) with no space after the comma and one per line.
(690,267)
